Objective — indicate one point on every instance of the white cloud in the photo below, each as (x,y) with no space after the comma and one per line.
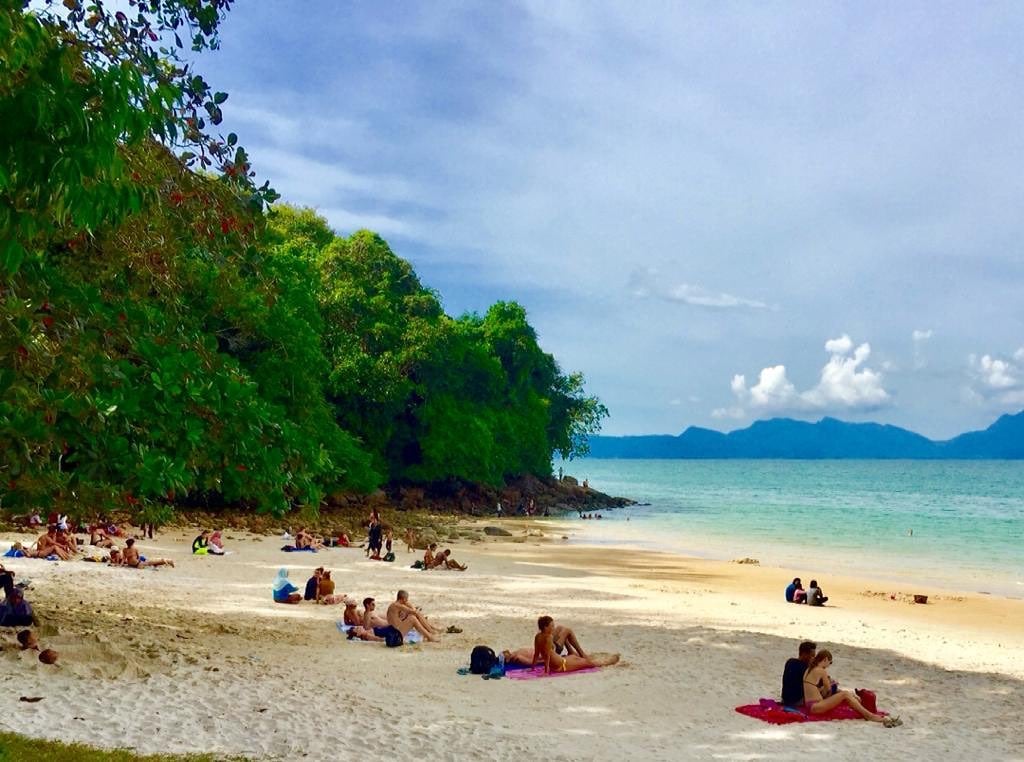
(841,346)
(993,372)
(996,381)
(844,384)
(647,282)
(922,335)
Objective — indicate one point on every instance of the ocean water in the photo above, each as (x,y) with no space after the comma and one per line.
(852,517)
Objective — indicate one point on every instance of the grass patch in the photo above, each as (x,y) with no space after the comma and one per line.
(15,748)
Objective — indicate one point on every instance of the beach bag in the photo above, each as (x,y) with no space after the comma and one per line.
(393,638)
(868,700)
(482,660)
(389,557)
(416,565)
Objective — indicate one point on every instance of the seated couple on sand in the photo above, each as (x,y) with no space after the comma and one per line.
(813,596)
(443,560)
(55,542)
(320,588)
(807,685)
(548,644)
(401,616)
(208,544)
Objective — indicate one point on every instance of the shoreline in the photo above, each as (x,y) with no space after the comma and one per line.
(1009,589)
(197,658)
(863,602)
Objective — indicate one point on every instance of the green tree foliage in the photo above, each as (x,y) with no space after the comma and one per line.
(435,398)
(164,339)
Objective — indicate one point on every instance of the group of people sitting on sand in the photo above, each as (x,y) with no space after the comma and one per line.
(432,559)
(401,617)
(812,596)
(807,685)
(208,543)
(58,543)
(557,648)
(591,516)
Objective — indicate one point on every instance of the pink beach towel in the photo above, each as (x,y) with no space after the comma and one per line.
(538,672)
(771,711)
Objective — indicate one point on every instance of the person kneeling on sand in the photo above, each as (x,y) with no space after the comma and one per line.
(821,694)
(284,590)
(133,559)
(404,617)
(443,560)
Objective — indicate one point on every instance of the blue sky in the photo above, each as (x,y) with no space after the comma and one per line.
(718,212)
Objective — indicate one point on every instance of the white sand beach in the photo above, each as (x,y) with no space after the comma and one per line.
(198,658)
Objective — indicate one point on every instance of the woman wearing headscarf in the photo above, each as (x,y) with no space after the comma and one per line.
(216,546)
(285,591)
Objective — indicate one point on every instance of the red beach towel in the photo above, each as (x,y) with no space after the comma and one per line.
(771,711)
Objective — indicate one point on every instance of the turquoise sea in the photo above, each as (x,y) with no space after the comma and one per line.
(851,517)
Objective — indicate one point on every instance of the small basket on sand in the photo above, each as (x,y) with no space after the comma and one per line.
(920,599)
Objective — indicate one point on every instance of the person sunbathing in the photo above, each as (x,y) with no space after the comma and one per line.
(304,540)
(360,632)
(371,619)
(98,537)
(544,652)
(443,560)
(115,557)
(405,617)
(351,616)
(47,545)
(131,557)
(67,541)
(821,696)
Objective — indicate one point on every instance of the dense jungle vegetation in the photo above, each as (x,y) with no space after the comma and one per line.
(171,334)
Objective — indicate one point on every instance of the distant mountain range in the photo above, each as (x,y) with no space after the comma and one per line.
(827,438)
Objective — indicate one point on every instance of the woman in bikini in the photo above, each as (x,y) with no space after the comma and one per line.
(819,697)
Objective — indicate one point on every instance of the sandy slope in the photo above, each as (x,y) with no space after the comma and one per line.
(199,658)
